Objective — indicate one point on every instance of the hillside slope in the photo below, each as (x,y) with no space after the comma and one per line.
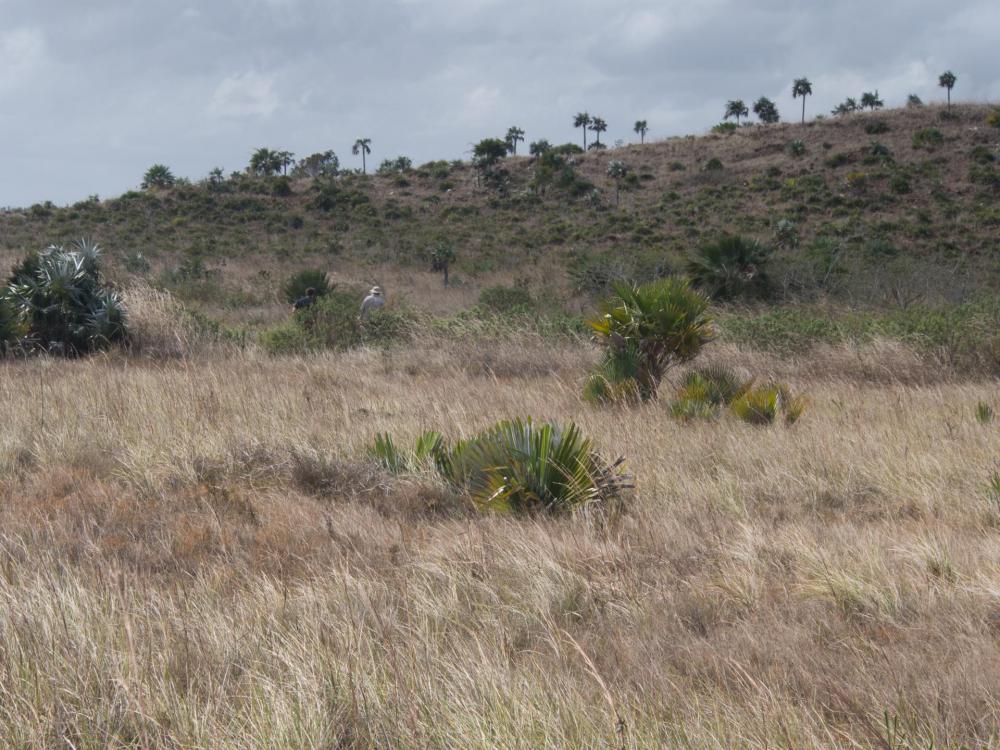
(891,207)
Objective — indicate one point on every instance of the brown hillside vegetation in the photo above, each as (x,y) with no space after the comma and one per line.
(886,207)
(200,554)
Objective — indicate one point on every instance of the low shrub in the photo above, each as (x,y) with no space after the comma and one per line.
(506,299)
(762,405)
(797,148)
(877,127)
(713,165)
(730,267)
(928,138)
(56,302)
(517,466)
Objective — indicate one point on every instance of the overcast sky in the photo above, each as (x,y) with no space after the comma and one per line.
(92,93)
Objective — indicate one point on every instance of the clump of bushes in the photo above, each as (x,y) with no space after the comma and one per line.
(877,127)
(797,148)
(707,392)
(334,322)
(646,330)
(516,466)
(56,302)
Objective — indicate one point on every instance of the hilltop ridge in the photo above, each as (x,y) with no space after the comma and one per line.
(867,208)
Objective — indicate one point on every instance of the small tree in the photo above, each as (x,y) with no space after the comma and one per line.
(514,134)
(947,81)
(871,101)
(913,101)
(265,163)
(736,108)
(802,87)
(321,164)
(362,146)
(582,120)
(618,171)
(442,257)
(159,177)
(537,148)
(849,105)
(286,159)
(646,330)
(641,128)
(598,126)
(766,111)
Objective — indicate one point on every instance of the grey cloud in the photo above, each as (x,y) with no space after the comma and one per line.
(92,94)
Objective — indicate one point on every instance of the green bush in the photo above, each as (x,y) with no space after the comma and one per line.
(334,322)
(517,466)
(730,267)
(877,127)
(505,299)
(725,128)
(928,138)
(647,329)
(310,278)
(837,160)
(797,148)
(993,118)
(60,303)
(763,404)
(713,165)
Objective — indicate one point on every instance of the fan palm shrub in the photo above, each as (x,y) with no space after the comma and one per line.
(648,328)
(516,466)
(732,266)
(763,404)
(59,301)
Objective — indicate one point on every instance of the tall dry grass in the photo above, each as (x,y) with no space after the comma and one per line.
(195,553)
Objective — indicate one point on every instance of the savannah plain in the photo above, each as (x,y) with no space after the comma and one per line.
(197,549)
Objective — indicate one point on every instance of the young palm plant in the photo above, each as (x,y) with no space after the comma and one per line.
(652,327)
(730,267)
(58,298)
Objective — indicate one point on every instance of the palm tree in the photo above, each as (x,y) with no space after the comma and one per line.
(802,87)
(947,81)
(287,159)
(598,126)
(514,134)
(158,176)
(870,100)
(766,110)
(618,171)
(850,104)
(736,108)
(265,162)
(647,329)
(362,146)
(641,128)
(582,120)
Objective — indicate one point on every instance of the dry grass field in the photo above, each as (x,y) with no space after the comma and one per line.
(198,553)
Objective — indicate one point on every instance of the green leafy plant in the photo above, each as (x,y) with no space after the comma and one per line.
(159,177)
(732,266)
(761,405)
(766,111)
(797,148)
(516,466)
(60,302)
(984,413)
(648,329)
(877,127)
(506,300)
(310,278)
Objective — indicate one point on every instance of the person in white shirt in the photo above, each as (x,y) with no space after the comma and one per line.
(373,301)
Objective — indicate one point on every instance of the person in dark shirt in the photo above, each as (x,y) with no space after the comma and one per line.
(303,302)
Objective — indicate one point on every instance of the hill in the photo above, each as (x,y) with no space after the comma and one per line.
(887,208)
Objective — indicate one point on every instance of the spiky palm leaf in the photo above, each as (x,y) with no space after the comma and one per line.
(730,267)
(665,321)
(517,465)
